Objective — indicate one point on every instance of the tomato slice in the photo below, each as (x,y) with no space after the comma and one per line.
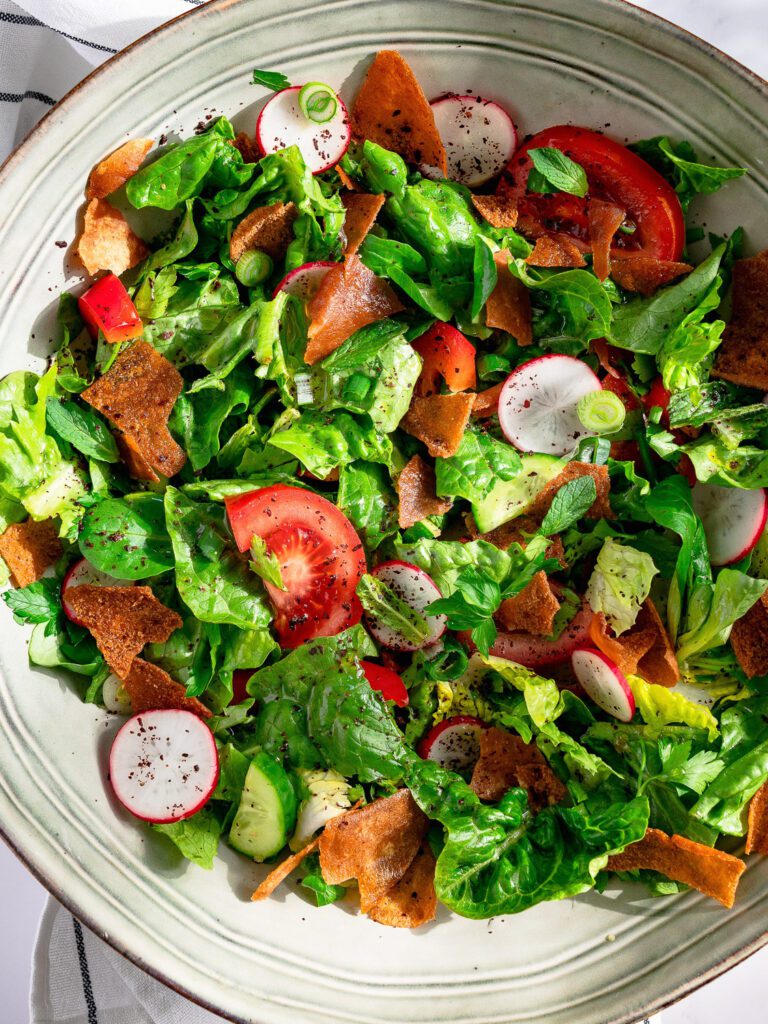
(386,682)
(446,353)
(107,307)
(615,174)
(321,559)
(659,396)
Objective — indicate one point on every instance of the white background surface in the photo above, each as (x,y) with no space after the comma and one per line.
(739,27)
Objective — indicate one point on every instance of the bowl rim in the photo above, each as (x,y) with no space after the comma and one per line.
(16,156)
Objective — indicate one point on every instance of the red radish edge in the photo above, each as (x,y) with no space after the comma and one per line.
(463,759)
(293,278)
(124,776)
(325,161)
(91,575)
(604,683)
(474,157)
(536,652)
(729,541)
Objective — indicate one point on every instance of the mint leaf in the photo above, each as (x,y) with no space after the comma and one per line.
(569,505)
(555,172)
(273,80)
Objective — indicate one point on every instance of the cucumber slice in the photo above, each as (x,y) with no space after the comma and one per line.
(267,811)
(511,498)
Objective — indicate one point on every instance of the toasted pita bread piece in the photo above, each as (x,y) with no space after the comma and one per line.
(533,610)
(283,869)
(555,251)
(362,210)
(439,421)
(375,845)
(509,305)
(410,902)
(749,639)
(392,111)
(150,688)
(28,549)
(137,395)
(506,761)
(518,531)
(345,179)
(114,170)
(247,147)
(638,272)
(500,210)
(108,242)
(349,297)
(711,871)
(604,219)
(757,828)
(743,355)
(487,402)
(122,620)
(417,493)
(644,650)
(268,228)
(600,508)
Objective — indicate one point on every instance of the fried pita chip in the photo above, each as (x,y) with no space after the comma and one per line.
(122,620)
(150,688)
(638,272)
(487,402)
(349,297)
(268,228)
(743,355)
(749,639)
(247,147)
(757,829)
(137,394)
(644,650)
(417,494)
(392,111)
(600,508)
(410,902)
(506,761)
(108,242)
(283,869)
(604,219)
(711,871)
(533,610)
(500,210)
(439,421)
(509,305)
(113,171)
(555,251)
(345,179)
(375,845)
(362,210)
(519,531)
(28,549)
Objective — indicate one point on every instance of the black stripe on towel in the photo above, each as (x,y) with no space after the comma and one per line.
(30,94)
(85,974)
(25,19)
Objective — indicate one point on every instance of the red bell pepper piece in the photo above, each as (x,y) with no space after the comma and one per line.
(107,307)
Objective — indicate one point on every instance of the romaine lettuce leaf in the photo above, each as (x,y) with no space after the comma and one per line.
(620,582)
(660,705)
(323,442)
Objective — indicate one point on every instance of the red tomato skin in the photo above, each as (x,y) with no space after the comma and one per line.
(386,682)
(107,307)
(614,173)
(658,396)
(446,353)
(322,559)
(620,387)
(240,679)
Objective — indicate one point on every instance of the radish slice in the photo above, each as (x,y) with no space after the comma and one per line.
(733,520)
(82,573)
(454,743)
(536,651)
(538,404)
(304,281)
(479,137)
(417,589)
(164,765)
(281,124)
(604,682)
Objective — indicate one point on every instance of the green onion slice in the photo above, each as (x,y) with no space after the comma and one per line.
(318,102)
(253,267)
(601,412)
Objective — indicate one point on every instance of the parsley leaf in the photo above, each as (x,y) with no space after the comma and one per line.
(273,80)
(555,172)
(265,563)
(38,602)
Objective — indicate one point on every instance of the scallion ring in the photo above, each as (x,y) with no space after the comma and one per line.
(318,102)
(253,267)
(601,412)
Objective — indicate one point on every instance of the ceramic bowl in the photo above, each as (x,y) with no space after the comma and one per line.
(597,959)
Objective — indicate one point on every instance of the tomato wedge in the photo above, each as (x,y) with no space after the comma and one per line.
(616,175)
(107,307)
(321,559)
(386,682)
(446,353)
(659,396)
